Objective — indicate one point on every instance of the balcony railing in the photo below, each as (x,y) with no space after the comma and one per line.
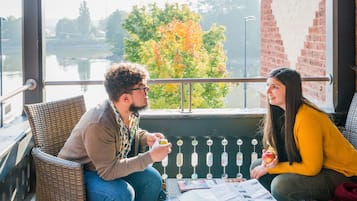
(29,85)
(188,82)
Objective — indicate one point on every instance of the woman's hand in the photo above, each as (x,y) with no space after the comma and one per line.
(258,171)
(262,169)
(271,164)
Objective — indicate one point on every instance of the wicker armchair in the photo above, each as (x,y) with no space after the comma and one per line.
(57,179)
(350,130)
(51,124)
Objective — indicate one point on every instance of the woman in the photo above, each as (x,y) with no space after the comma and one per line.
(312,156)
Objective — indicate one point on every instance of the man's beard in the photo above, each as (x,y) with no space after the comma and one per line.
(135,109)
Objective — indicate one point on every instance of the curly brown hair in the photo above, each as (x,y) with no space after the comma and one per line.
(121,77)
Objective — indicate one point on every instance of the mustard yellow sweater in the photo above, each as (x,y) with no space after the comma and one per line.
(321,145)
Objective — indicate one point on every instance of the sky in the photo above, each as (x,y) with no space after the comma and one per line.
(55,9)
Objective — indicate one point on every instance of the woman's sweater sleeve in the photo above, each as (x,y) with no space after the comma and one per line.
(308,135)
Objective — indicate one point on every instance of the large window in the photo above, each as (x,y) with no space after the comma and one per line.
(10,58)
(212,39)
(82,42)
(254,37)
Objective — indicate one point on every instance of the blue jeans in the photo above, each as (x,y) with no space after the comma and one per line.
(138,186)
(291,187)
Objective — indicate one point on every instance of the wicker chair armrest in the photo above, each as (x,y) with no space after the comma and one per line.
(54,160)
(57,179)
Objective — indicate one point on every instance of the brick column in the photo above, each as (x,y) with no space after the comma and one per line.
(311,58)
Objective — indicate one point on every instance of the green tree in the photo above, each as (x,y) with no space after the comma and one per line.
(172,44)
(115,33)
(83,20)
(66,28)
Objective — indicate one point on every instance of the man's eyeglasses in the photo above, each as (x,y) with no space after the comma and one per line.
(145,89)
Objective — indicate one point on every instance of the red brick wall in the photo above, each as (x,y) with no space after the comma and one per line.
(272,53)
(312,58)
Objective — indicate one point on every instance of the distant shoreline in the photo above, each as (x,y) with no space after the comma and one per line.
(61,44)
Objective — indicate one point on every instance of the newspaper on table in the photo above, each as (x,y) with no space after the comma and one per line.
(194,184)
(249,190)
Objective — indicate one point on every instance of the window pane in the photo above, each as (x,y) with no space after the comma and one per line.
(11,58)
(257,36)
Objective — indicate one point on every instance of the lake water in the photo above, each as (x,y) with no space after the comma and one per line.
(88,65)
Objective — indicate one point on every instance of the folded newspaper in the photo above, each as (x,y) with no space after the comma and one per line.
(249,190)
(194,184)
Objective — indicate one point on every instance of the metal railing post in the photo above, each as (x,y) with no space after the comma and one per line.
(182,97)
(190,97)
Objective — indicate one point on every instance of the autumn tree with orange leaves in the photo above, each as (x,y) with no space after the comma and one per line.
(172,44)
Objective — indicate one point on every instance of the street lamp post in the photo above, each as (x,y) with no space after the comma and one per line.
(246,19)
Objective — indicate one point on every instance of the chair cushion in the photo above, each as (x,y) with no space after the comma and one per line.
(350,131)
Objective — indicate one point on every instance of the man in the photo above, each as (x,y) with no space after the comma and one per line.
(109,143)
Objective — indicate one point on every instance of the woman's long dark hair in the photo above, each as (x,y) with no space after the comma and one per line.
(273,126)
